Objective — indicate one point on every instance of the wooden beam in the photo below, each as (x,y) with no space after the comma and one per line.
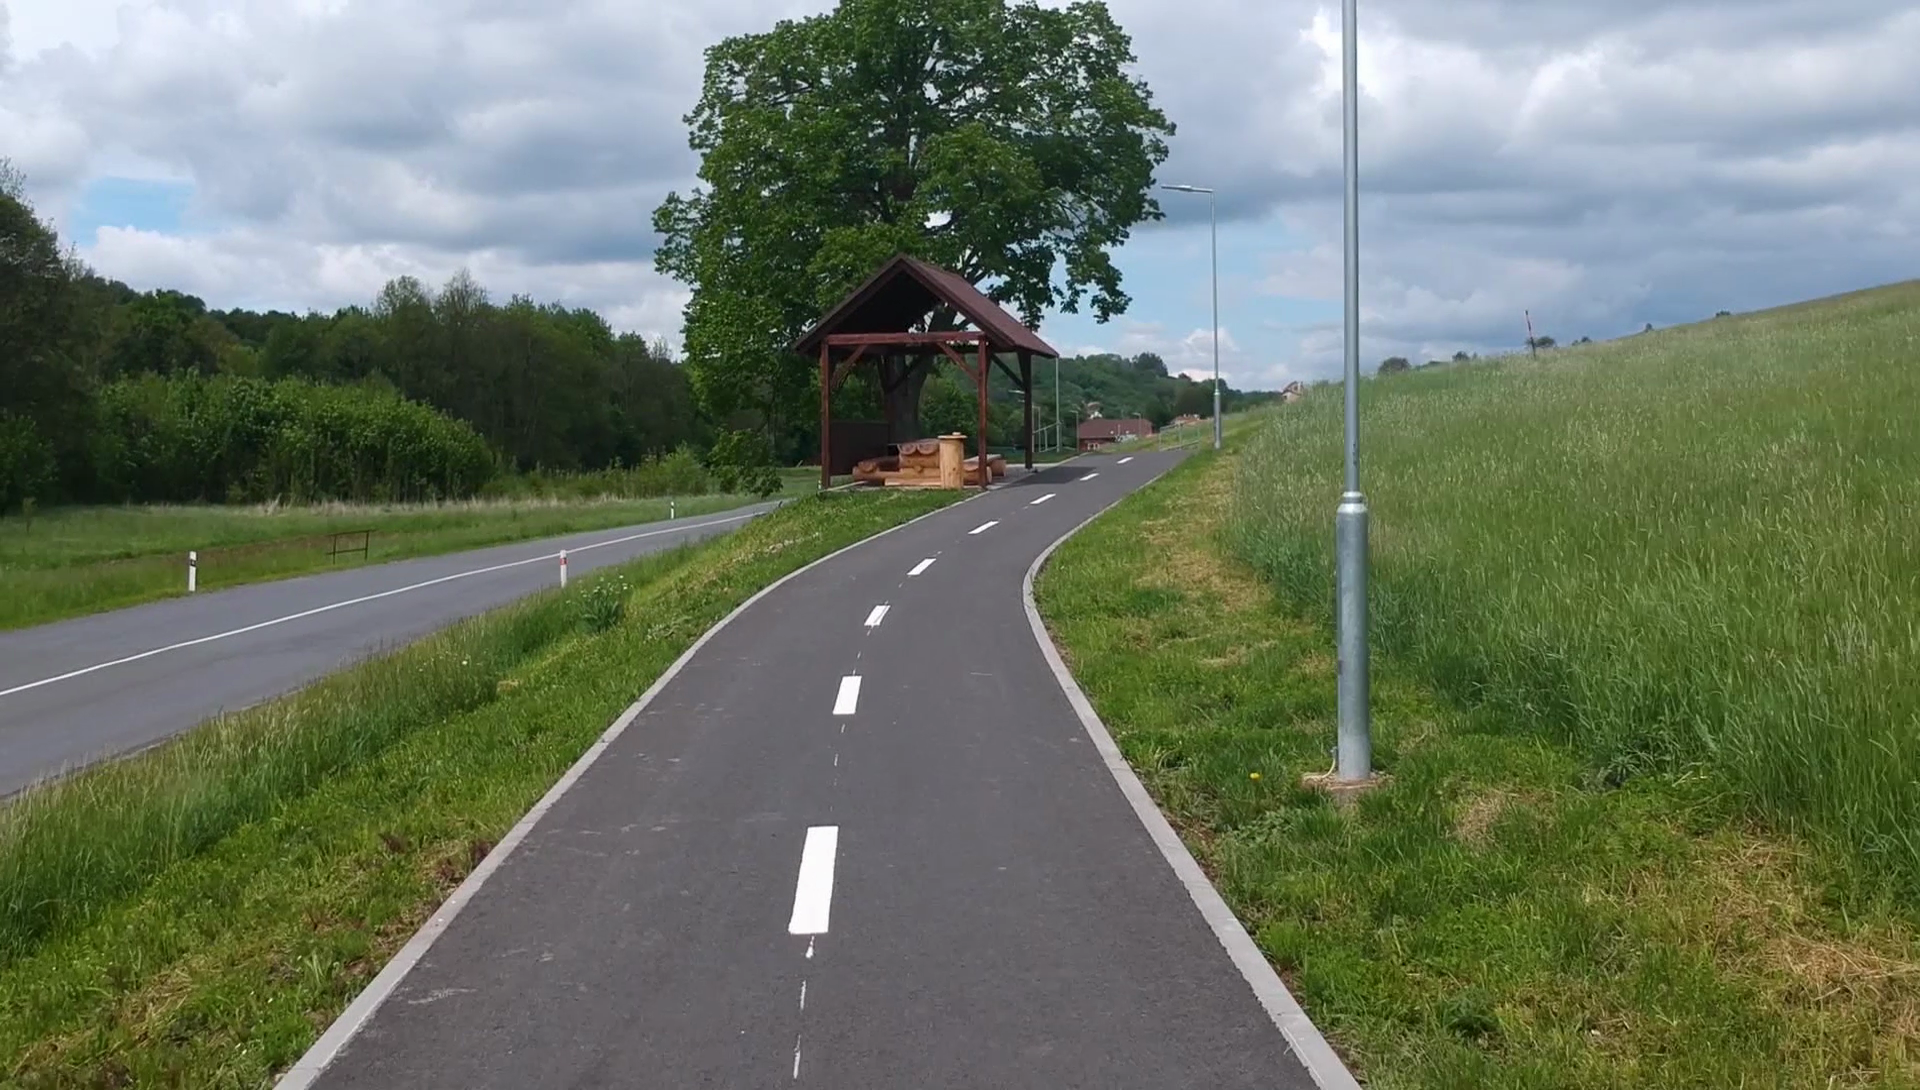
(844,366)
(826,419)
(958,336)
(960,360)
(1007,368)
(986,471)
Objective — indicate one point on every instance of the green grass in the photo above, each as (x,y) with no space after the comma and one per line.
(196,915)
(1497,916)
(74,561)
(1695,549)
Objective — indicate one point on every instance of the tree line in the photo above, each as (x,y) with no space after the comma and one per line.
(110,394)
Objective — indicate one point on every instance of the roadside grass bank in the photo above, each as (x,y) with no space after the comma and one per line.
(73,561)
(1497,916)
(196,915)
(1693,549)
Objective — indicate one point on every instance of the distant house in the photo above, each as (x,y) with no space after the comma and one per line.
(1294,392)
(1186,420)
(1098,433)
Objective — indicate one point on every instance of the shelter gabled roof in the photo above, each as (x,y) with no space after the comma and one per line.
(903,290)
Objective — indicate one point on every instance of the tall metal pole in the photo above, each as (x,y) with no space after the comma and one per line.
(1213,244)
(1354,759)
(1213,249)
(1056,406)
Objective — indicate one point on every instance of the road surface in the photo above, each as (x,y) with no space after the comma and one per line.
(51,722)
(861,841)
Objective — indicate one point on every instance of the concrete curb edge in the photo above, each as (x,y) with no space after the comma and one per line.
(1303,1037)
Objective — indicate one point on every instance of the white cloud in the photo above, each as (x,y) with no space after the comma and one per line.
(1599,164)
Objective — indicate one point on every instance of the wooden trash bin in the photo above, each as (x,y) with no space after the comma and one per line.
(953,454)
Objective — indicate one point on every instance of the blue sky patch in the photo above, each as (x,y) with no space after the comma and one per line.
(142,203)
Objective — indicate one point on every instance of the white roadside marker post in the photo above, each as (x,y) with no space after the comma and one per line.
(193,570)
(563,567)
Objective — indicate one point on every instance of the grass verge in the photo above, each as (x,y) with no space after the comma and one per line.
(1498,916)
(75,561)
(196,915)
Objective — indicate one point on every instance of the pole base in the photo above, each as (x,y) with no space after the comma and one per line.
(1343,793)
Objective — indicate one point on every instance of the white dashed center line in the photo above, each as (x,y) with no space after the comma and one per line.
(1043,499)
(879,614)
(922,566)
(1124,461)
(983,527)
(1089,476)
(849,697)
(813,894)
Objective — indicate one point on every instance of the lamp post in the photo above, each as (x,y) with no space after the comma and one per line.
(1354,753)
(1213,248)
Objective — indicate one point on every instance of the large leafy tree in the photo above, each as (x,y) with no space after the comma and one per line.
(1006,141)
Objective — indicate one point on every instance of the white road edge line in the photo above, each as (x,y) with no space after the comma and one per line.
(330,607)
(983,527)
(922,566)
(1043,499)
(1089,477)
(813,893)
(1302,1036)
(308,1068)
(879,614)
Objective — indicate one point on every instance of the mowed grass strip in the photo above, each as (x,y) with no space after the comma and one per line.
(196,915)
(1497,916)
(73,561)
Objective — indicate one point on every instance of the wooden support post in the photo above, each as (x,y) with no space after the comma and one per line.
(986,471)
(826,417)
(1026,390)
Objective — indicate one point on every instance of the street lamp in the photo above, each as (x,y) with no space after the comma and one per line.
(1354,754)
(1213,246)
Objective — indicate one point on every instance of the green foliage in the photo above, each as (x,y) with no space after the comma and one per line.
(678,473)
(742,461)
(603,603)
(550,388)
(1394,365)
(237,439)
(1004,141)
(26,462)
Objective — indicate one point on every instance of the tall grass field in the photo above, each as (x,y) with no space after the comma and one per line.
(1695,550)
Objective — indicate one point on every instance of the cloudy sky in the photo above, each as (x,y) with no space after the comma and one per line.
(1602,163)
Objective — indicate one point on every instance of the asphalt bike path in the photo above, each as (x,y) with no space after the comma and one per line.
(68,696)
(860,840)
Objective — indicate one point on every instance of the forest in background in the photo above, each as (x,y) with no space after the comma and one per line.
(113,395)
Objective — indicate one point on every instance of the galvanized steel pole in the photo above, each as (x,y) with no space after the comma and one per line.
(1354,757)
(1213,246)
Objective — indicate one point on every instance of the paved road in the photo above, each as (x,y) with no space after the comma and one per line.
(63,724)
(986,911)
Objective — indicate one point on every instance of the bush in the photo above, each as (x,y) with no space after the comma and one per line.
(742,461)
(240,439)
(26,462)
(676,474)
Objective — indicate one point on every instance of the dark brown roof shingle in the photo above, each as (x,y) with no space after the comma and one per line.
(903,290)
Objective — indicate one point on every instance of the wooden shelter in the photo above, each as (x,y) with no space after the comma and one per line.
(888,315)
